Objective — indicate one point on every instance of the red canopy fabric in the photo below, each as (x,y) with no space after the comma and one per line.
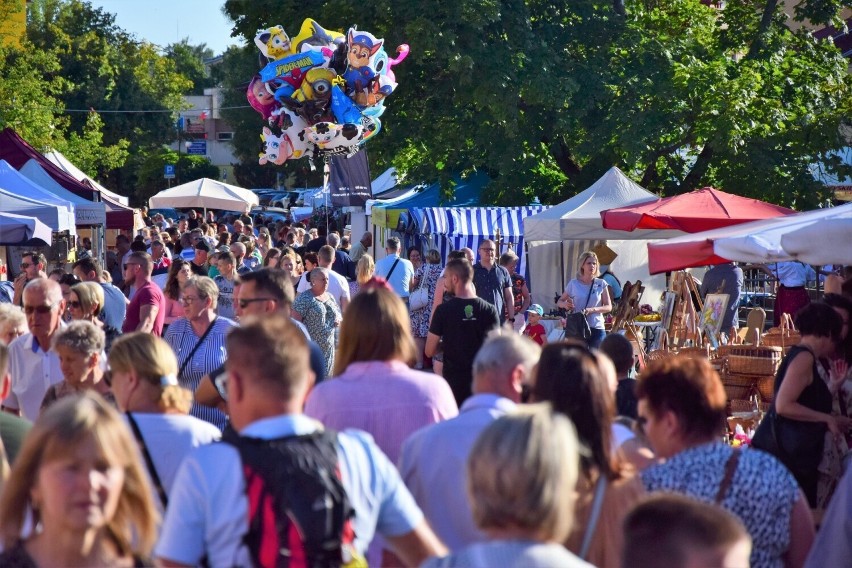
(692,212)
(18,151)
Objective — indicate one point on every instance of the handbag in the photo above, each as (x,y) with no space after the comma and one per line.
(576,324)
(419,299)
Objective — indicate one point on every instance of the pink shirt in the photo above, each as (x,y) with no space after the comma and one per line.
(386,399)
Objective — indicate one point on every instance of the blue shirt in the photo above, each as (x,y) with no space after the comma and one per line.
(208,509)
(433,465)
(400,278)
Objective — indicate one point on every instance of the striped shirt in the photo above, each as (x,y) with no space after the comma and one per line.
(207,358)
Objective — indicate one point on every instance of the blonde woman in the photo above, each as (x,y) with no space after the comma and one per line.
(364,271)
(85,303)
(198,340)
(144,381)
(588,295)
(13,323)
(80,480)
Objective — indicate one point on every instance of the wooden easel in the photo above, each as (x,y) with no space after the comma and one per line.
(685,322)
(625,315)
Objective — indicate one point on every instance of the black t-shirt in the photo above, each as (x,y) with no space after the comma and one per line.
(199,270)
(462,324)
(625,398)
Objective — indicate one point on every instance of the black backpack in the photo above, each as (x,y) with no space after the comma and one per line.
(295,482)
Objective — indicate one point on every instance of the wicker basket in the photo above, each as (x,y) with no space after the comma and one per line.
(740,387)
(694,352)
(766,388)
(659,355)
(783,336)
(751,359)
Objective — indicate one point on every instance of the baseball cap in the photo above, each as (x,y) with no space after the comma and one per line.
(202,245)
(535,308)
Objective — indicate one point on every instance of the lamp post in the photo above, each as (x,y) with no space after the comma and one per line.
(179,145)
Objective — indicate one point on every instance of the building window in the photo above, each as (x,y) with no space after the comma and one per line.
(223,136)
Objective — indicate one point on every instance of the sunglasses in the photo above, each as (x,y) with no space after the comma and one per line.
(130,264)
(245,302)
(75,304)
(25,265)
(45,309)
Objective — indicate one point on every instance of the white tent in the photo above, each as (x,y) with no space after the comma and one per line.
(65,164)
(206,193)
(21,196)
(556,237)
(86,213)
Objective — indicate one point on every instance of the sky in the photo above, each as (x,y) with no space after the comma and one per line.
(163,22)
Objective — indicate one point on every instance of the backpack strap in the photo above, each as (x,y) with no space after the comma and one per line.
(294,480)
(728,478)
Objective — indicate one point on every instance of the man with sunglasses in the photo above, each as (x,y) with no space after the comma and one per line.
(34,367)
(33,265)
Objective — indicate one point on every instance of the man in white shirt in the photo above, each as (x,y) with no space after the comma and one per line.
(433,460)
(34,367)
(338,287)
(268,381)
(395,269)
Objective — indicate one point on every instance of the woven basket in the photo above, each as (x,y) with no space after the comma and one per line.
(783,336)
(766,388)
(694,352)
(659,355)
(752,359)
(740,387)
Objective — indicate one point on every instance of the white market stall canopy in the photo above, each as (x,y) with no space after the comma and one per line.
(21,196)
(206,193)
(580,216)
(86,213)
(817,237)
(65,164)
(556,237)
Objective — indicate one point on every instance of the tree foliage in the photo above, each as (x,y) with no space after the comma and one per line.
(150,168)
(546,96)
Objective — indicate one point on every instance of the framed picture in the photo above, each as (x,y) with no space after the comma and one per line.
(669,298)
(714,313)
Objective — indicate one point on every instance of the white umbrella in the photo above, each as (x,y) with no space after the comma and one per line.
(206,193)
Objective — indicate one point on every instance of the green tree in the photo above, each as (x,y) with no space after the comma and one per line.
(28,104)
(150,166)
(545,97)
(88,151)
(189,62)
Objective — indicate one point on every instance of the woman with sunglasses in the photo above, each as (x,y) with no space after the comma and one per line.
(570,378)
(85,303)
(198,340)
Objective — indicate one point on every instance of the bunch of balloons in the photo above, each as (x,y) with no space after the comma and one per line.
(322,91)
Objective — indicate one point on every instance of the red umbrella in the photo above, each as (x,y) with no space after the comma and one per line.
(692,212)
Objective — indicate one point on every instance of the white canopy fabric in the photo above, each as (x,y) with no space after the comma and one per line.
(206,193)
(580,216)
(20,195)
(385,182)
(86,213)
(817,237)
(22,229)
(556,237)
(65,164)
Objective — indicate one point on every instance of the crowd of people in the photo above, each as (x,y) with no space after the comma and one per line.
(227,395)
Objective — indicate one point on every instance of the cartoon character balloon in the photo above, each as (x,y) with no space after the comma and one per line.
(320,92)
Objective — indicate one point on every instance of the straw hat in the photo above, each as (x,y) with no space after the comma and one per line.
(605,254)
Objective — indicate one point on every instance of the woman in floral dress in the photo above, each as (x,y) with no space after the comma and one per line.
(318,310)
(427,275)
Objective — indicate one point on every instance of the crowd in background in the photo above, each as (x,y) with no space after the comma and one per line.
(459,435)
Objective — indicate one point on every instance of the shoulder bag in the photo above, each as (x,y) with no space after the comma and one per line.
(419,299)
(576,324)
(197,345)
